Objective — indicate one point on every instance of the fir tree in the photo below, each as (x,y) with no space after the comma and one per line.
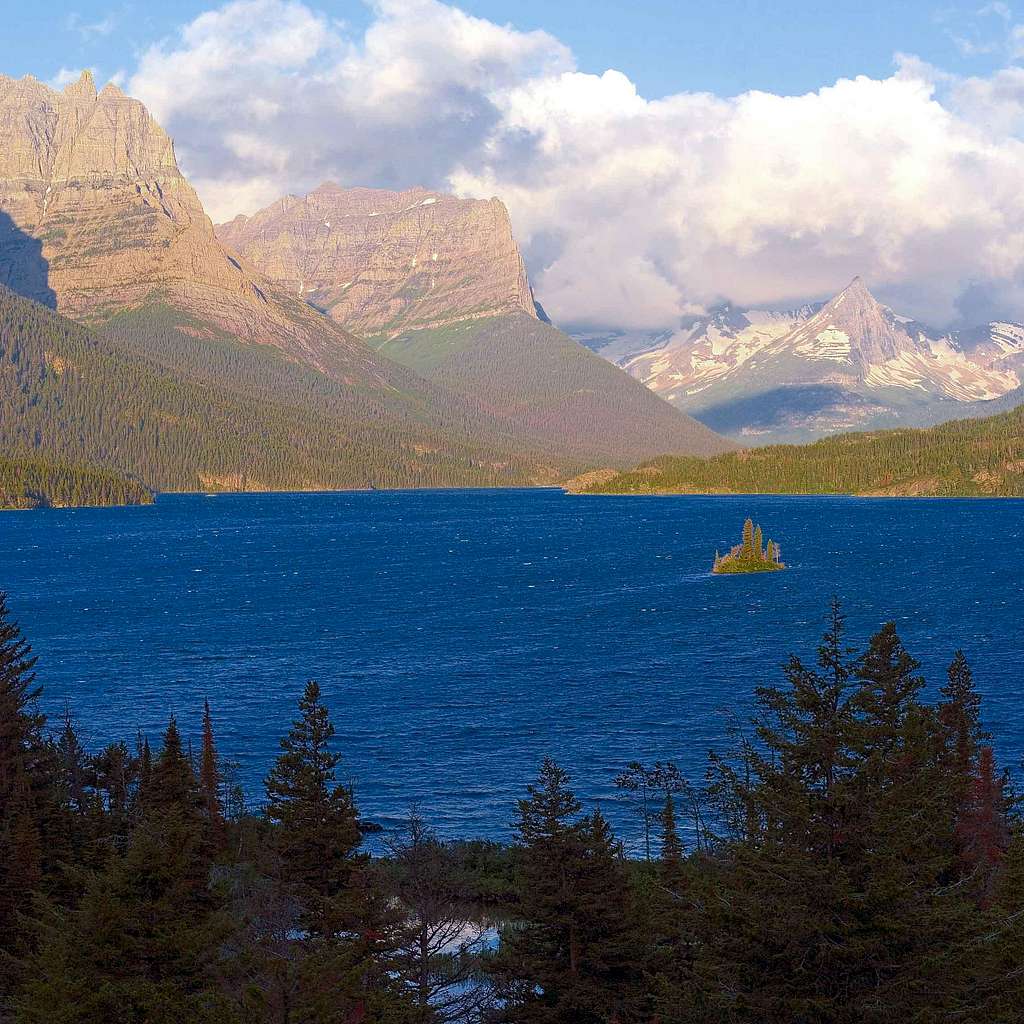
(960,715)
(146,940)
(210,781)
(758,544)
(569,960)
(318,833)
(29,831)
(671,844)
(748,538)
(982,828)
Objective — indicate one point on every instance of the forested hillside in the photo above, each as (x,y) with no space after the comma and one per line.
(32,482)
(530,374)
(187,413)
(965,457)
(856,856)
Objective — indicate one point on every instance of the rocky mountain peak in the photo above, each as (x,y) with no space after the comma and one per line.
(383,262)
(84,88)
(852,328)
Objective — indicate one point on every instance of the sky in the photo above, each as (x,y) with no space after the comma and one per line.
(656,158)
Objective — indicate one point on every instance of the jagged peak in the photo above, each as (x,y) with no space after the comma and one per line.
(85,86)
(856,289)
(328,186)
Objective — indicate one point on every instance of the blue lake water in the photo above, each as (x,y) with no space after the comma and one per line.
(459,636)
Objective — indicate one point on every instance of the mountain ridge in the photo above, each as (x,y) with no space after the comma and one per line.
(849,363)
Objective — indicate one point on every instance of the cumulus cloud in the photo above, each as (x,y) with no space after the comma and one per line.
(632,212)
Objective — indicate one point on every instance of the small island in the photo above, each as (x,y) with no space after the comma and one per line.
(751,555)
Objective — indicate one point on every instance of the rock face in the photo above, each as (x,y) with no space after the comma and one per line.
(95,217)
(766,375)
(383,263)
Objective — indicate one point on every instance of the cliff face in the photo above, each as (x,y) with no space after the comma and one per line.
(95,217)
(383,263)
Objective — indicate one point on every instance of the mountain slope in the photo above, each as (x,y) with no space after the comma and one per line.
(437,284)
(97,221)
(981,457)
(96,217)
(186,413)
(525,371)
(851,363)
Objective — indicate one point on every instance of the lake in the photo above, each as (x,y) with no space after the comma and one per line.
(459,636)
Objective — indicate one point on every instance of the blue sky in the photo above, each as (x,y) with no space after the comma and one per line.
(784,46)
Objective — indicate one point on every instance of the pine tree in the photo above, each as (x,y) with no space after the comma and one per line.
(960,715)
(671,844)
(210,782)
(318,829)
(29,847)
(569,958)
(748,539)
(778,930)
(173,782)
(146,939)
(758,544)
(982,828)
(902,840)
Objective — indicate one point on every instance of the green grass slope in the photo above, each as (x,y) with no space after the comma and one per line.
(974,457)
(551,390)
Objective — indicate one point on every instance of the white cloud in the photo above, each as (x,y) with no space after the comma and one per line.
(631,211)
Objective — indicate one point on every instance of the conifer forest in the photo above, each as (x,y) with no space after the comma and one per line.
(856,855)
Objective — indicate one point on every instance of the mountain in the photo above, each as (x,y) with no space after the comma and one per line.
(180,412)
(437,284)
(96,217)
(384,262)
(974,457)
(763,375)
(97,221)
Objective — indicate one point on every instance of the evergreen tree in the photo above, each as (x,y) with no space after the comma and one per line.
(640,781)
(145,941)
(748,539)
(671,844)
(758,544)
(983,827)
(318,833)
(210,782)
(29,831)
(904,852)
(960,715)
(569,957)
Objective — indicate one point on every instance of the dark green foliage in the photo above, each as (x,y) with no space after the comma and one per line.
(857,860)
(964,457)
(570,957)
(319,828)
(33,482)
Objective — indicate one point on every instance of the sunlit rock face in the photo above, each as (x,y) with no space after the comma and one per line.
(382,262)
(97,218)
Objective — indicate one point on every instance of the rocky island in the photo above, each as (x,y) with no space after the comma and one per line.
(751,555)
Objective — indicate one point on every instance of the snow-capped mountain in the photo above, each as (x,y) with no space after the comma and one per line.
(766,375)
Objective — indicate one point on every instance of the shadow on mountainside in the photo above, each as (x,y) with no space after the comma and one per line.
(22,266)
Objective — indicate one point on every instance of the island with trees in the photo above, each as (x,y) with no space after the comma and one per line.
(750,556)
